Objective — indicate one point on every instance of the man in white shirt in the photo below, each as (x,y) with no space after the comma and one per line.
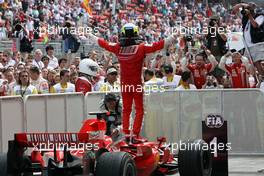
(53,61)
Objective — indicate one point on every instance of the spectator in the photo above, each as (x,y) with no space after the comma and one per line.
(44,73)
(53,61)
(216,43)
(93,55)
(9,75)
(170,80)
(150,78)
(20,66)
(37,59)
(238,70)
(3,85)
(261,83)
(62,64)
(51,78)
(200,69)
(211,83)
(178,70)
(157,62)
(73,77)
(45,60)
(57,78)
(23,86)
(3,31)
(185,82)
(7,59)
(111,84)
(37,81)
(64,86)
(76,61)
(72,68)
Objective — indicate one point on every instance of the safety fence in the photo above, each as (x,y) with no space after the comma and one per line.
(176,115)
(58,45)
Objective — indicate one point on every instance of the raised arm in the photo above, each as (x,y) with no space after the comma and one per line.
(211,59)
(111,47)
(162,44)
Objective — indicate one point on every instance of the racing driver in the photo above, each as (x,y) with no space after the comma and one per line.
(131,51)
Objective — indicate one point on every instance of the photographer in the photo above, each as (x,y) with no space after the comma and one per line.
(216,43)
(253,28)
(112,103)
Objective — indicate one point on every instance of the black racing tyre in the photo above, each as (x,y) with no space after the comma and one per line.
(3,164)
(115,164)
(195,161)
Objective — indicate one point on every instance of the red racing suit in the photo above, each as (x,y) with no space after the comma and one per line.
(131,59)
(83,85)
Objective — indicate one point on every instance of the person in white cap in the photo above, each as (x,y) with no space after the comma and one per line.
(111,84)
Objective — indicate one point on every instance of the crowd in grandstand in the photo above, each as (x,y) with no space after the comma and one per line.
(196,61)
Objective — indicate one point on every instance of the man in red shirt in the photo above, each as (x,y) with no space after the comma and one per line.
(238,69)
(200,69)
(131,53)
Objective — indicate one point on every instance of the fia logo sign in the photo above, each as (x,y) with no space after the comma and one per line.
(214,121)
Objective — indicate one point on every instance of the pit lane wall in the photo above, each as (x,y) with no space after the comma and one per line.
(176,115)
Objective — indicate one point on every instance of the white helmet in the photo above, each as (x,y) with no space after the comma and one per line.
(89,67)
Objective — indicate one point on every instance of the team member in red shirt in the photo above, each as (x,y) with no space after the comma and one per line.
(131,52)
(87,70)
(200,69)
(238,69)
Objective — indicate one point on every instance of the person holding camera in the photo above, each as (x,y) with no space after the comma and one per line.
(112,103)
(211,83)
(253,29)
(216,43)
(200,68)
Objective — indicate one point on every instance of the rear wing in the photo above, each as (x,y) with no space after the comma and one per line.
(35,139)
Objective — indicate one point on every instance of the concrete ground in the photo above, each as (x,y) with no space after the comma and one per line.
(245,166)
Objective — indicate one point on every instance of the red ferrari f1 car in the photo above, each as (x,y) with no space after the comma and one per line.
(92,153)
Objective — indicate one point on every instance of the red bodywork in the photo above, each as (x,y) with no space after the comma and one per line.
(148,156)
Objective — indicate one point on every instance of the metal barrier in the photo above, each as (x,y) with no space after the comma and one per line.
(176,115)
(54,112)
(11,119)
